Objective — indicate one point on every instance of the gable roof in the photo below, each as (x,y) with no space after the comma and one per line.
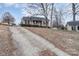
(33,18)
(73,23)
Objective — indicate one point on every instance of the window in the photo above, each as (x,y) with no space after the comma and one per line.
(78,28)
(72,27)
(44,22)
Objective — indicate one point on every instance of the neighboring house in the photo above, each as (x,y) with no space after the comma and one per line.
(5,23)
(34,21)
(72,24)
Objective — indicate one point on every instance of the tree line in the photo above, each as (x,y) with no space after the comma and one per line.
(49,11)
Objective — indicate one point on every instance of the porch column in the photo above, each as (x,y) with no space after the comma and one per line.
(28,22)
(25,22)
(40,23)
(76,28)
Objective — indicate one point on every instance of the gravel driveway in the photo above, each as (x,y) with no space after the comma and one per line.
(30,44)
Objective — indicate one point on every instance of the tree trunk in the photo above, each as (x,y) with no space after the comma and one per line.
(45,13)
(74,14)
(51,15)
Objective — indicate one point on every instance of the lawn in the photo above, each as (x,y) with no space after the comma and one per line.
(64,40)
(6,46)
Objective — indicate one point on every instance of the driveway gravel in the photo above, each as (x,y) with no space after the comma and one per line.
(30,44)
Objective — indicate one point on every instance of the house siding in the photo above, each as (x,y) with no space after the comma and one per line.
(34,21)
(69,27)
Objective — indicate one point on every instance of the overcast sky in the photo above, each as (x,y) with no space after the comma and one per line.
(18,10)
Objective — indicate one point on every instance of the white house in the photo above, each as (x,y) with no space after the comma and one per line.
(72,24)
(34,21)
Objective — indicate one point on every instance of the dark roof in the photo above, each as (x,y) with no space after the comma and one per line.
(73,23)
(25,18)
(33,18)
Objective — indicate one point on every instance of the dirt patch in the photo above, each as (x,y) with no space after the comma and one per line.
(6,46)
(46,53)
(65,40)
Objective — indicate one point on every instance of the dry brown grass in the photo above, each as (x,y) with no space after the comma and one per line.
(6,45)
(66,41)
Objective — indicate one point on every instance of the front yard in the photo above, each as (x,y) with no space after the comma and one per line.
(6,46)
(65,40)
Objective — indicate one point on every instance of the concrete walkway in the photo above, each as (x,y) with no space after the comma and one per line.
(29,44)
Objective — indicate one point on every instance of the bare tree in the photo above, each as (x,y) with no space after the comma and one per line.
(61,17)
(34,9)
(75,12)
(43,9)
(8,18)
(56,18)
(52,8)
